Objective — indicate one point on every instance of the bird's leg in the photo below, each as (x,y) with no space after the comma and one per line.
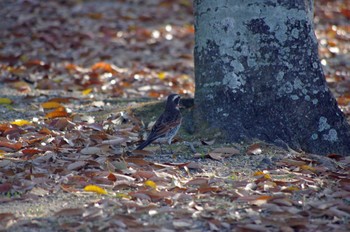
(161,148)
(171,150)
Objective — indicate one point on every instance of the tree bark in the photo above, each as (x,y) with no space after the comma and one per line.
(258,75)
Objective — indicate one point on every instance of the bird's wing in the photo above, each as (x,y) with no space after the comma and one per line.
(163,125)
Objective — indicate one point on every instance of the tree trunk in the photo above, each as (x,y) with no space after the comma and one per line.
(258,75)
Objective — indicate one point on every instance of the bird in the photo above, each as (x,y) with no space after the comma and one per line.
(167,125)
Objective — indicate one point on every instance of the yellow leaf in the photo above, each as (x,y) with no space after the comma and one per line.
(6,101)
(20,122)
(50,105)
(161,75)
(95,189)
(267,176)
(307,167)
(86,91)
(292,188)
(258,173)
(151,184)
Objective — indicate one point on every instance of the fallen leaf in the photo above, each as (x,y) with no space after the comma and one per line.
(5,101)
(290,189)
(261,200)
(142,152)
(216,156)
(151,184)
(254,149)
(116,141)
(58,112)
(51,105)
(208,142)
(91,150)
(13,146)
(5,187)
(198,181)
(95,189)
(307,167)
(76,165)
(31,151)
(112,177)
(69,212)
(182,224)
(293,162)
(252,227)
(137,161)
(20,122)
(86,91)
(144,174)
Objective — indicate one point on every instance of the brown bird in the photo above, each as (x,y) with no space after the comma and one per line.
(166,125)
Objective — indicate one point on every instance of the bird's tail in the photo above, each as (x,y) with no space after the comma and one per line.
(143,145)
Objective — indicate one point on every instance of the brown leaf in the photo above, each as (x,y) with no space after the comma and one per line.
(198,181)
(91,150)
(69,212)
(144,174)
(206,188)
(158,195)
(199,155)
(112,177)
(208,142)
(102,181)
(6,220)
(13,146)
(51,105)
(336,212)
(68,188)
(116,141)
(38,191)
(252,227)
(216,156)
(261,200)
(281,201)
(61,99)
(345,12)
(58,112)
(5,187)
(190,165)
(102,67)
(140,195)
(76,165)
(30,151)
(142,152)
(345,184)
(254,149)
(335,156)
(137,161)
(194,165)
(182,224)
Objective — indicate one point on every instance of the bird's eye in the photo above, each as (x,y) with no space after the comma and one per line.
(177,99)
